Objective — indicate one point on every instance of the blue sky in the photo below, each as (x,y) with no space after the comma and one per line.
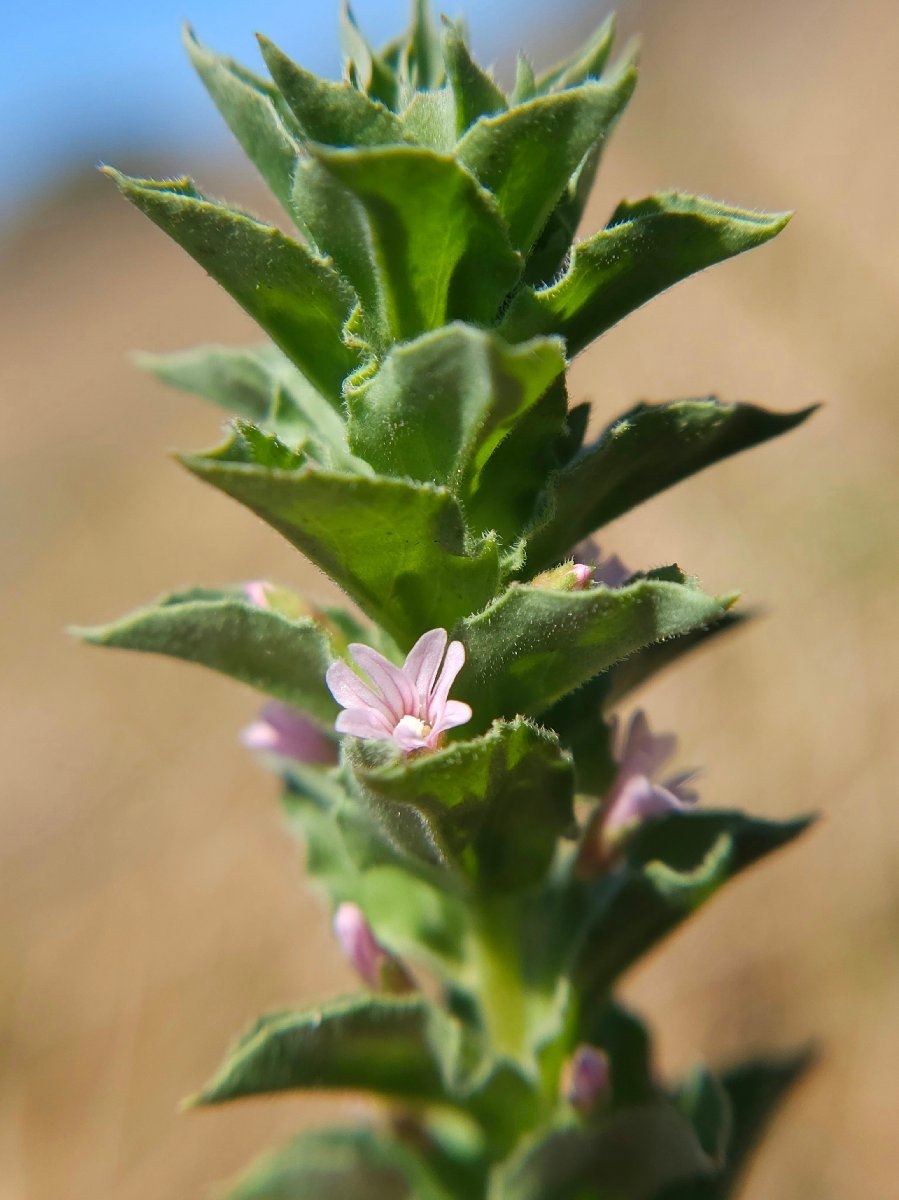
(86,82)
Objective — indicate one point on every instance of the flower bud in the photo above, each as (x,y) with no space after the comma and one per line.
(282,731)
(377,966)
(585,1079)
(569,577)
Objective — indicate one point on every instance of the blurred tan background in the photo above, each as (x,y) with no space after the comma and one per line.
(151,902)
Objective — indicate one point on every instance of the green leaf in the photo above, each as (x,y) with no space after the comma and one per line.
(527,155)
(534,645)
(756,1090)
(510,492)
(250,108)
(674,864)
(647,247)
(398,548)
(402,1047)
(632,1154)
(439,407)
(438,245)
(333,114)
(259,384)
(525,83)
(294,296)
(425,62)
(650,448)
(474,92)
(586,62)
(429,120)
(705,1103)
(625,1039)
(223,630)
(496,805)
(338,1164)
(367,70)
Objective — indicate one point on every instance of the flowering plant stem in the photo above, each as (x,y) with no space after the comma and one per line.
(496,854)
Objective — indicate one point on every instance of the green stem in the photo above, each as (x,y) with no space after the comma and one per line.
(503,995)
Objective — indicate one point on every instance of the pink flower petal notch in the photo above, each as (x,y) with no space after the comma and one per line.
(634,796)
(407,705)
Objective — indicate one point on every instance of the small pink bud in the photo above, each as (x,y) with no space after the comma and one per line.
(364,952)
(585,1079)
(583,576)
(256,591)
(282,731)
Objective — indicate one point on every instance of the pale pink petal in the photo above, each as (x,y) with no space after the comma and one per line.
(644,752)
(455,712)
(452,665)
(678,786)
(639,800)
(423,661)
(364,723)
(352,692)
(387,678)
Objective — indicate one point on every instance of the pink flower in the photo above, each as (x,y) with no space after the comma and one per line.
(635,796)
(364,952)
(405,705)
(281,730)
(585,1078)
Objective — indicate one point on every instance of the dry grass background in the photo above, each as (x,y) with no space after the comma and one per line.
(151,903)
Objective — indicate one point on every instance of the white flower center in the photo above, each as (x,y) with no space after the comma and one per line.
(414,725)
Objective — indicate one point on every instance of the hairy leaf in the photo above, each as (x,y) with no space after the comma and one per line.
(632,1154)
(223,630)
(674,864)
(397,547)
(395,1046)
(527,155)
(261,385)
(250,108)
(439,250)
(533,645)
(333,114)
(496,804)
(586,62)
(475,93)
(641,454)
(439,407)
(648,246)
(338,1164)
(294,296)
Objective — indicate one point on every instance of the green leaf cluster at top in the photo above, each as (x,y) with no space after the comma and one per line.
(414,396)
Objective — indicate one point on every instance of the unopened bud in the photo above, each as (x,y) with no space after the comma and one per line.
(569,577)
(282,731)
(586,1079)
(377,966)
